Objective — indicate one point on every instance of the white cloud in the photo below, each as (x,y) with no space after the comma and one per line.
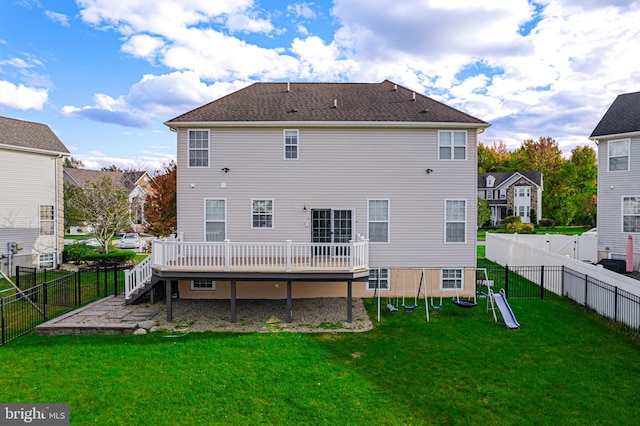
(22,97)
(143,45)
(302,10)
(58,17)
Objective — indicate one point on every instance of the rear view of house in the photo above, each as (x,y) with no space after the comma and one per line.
(31,211)
(618,138)
(296,189)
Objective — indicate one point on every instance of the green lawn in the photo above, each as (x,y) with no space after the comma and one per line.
(562,367)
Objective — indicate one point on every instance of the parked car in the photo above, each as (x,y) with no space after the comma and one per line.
(592,231)
(92,242)
(131,241)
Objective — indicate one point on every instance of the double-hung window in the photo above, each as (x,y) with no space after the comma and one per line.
(291,146)
(452,145)
(619,155)
(46,220)
(452,279)
(262,213)
(46,261)
(198,148)
(378,218)
(378,278)
(455,221)
(631,214)
(215,220)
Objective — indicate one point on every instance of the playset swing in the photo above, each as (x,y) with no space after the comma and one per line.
(411,308)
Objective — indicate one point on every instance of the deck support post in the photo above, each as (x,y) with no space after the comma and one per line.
(349,297)
(233,301)
(169,297)
(289,301)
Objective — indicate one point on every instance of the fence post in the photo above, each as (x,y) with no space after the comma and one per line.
(615,305)
(76,288)
(506,281)
(106,280)
(97,281)
(17,275)
(542,282)
(44,300)
(586,287)
(562,281)
(115,279)
(2,314)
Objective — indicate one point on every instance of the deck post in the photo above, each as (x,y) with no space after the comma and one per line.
(233,301)
(289,301)
(349,307)
(169,296)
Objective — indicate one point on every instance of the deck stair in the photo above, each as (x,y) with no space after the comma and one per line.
(138,281)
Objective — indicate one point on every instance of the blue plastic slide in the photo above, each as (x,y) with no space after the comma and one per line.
(505,310)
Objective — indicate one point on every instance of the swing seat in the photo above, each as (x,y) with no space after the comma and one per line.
(391,308)
(436,307)
(464,303)
(409,309)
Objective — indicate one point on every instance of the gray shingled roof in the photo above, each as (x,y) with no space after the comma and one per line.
(84,177)
(314,102)
(535,177)
(623,116)
(26,134)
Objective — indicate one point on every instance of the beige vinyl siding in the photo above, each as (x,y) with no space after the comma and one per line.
(27,181)
(612,187)
(337,169)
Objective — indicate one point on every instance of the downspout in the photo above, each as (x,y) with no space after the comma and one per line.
(56,204)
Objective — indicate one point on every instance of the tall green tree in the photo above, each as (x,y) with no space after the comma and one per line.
(103,206)
(484,212)
(161,207)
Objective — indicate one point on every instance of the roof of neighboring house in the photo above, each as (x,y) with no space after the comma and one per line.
(29,135)
(623,116)
(326,102)
(83,177)
(501,177)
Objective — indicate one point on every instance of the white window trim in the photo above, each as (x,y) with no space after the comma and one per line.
(273,213)
(622,215)
(628,141)
(51,221)
(212,288)
(466,224)
(489,194)
(204,217)
(52,262)
(284,144)
(466,147)
(388,280)
(388,221)
(451,269)
(208,149)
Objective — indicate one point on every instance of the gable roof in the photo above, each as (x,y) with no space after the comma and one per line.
(623,116)
(502,177)
(326,102)
(30,136)
(83,177)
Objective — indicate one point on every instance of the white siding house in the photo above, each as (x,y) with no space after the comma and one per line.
(372,180)
(618,138)
(31,211)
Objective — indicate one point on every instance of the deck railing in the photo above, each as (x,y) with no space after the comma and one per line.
(137,277)
(287,256)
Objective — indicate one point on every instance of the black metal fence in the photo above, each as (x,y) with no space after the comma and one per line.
(555,282)
(45,295)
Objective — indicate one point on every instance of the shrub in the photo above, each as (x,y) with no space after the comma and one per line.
(510,219)
(118,256)
(547,222)
(520,228)
(74,253)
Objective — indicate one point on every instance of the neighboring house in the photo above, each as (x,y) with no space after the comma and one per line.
(512,194)
(31,206)
(323,184)
(137,184)
(618,138)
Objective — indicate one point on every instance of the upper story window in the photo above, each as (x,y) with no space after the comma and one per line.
(631,214)
(291,146)
(198,148)
(262,213)
(502,193)
(215,219)
(46,220)
(522,191)
(455,221)
(378,217)
(490,181)
(489,194)
(619,155)
(452,145)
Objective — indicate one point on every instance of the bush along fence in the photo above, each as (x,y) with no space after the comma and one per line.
(47,294)
(555,282)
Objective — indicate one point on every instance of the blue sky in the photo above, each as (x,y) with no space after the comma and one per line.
(105,74)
